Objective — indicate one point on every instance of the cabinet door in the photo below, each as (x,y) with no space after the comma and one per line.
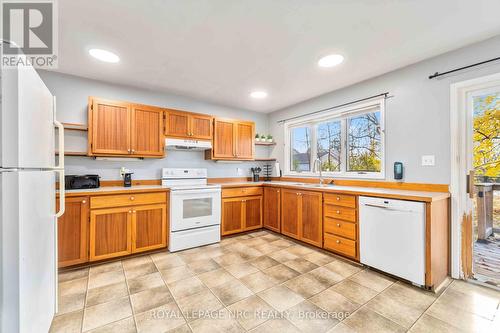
(147,128)
(110,233)
(201,127)
(311,226)
(149,227)
(289,213)
(272,208)
(245,132)
(72,232)
(177,124)
(109,127)
(232,216)
(224,135)
(253,212)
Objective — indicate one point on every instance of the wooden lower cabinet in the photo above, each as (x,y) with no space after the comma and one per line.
(290,213)
(149,228)
(72,232)
(241,214)
(272,213)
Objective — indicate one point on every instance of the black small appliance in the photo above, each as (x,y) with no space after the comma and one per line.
(127,179)
(75,182)
(398,170)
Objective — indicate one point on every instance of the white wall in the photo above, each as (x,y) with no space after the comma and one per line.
(72,94)
(417,117)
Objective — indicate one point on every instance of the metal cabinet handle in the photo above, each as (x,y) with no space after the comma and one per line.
(338,198)
(338,242)
(338,225)
(338,212)
(133,151)
(130,212)
(278,191)
(84,201)
(132,198)
(133,211)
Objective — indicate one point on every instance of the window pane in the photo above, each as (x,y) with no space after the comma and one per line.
(329,143)
(364,143)
(301,149)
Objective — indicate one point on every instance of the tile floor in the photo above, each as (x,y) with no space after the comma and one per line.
(261,282)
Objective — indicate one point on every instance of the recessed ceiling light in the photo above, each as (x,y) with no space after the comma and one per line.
(104,55)
(258,94)
(330,60)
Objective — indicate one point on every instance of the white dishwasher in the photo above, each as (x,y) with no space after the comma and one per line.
(392,237)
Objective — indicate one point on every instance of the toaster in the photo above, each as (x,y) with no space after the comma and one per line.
(74,182)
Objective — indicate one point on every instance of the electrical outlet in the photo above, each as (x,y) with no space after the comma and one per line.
(428,160)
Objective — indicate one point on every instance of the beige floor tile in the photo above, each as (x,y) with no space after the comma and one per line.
(267,248)
(282,243)
(151,298)
(168,262)
(186,287)
(342,328)
(412,296)
(107,267)
(308,317)
(145,282)
(343,268)
(250,253)
(73,274)
(140,270)
(251,312)
(161,255)
(428,324)
(216,277)
(106,278)
(70,303)
(240,270)
(229,259)
(319,258)
(280,297)
(67,323)
(224,323)
(257,281)
(305,285)
(160,319)
(372,280)
(264,262)
(193,256)
(271,237)
(334,302)
(126,325)
(176,274)
(283,256)
(474,290)
(105,313)
(72,287)
(199,305)
(300,250)
(136,261)
(365,320)
(106,293)
(399,312)
(477,303)
(301,265)
(280,273)
(203,266)
(276,325)
(355,292)
(231,292)
(180,329)
(325,277)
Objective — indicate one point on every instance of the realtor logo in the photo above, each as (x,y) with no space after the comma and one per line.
(29,27)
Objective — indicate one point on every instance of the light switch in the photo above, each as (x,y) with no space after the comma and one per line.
(428,160)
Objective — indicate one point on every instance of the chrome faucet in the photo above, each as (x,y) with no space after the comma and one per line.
(318,161)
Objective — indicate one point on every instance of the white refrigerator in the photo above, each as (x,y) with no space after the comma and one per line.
(28,220)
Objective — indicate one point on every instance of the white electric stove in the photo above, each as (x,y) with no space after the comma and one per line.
(195,208)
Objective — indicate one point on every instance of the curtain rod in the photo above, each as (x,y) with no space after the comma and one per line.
(336,107)
(462,68)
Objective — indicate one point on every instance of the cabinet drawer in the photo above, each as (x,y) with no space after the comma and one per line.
(339,212)
(344,200)
(241,192)
(127,200)
(340,245)
(340,228)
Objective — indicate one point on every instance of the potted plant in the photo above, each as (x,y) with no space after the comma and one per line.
(257,137)
(269,138)
(263,138)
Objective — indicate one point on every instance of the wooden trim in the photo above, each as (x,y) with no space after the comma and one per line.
(437,246)
(467,245)
(260,143)
(73,153)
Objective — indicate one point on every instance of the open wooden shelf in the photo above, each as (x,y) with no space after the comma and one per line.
(75,127)
(265,159)
(73,153)
(259,143)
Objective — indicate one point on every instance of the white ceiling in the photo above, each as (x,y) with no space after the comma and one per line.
(220,50)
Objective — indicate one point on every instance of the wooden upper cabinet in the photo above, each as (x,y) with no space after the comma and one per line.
(109,127)
(147,128)
(181,124)
(123,129)
(290,213)
(311,226)
(72,232)
(272,207)
(233,140)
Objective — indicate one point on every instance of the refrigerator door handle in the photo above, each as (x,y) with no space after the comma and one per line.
(60,166)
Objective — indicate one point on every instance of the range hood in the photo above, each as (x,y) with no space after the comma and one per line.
(181,144)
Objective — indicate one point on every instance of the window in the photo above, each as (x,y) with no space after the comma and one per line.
(347,143)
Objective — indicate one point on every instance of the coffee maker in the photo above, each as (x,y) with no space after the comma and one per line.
(127,179)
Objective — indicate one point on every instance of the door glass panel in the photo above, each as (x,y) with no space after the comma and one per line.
(196,207)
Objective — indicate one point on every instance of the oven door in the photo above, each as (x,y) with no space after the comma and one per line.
(194,208)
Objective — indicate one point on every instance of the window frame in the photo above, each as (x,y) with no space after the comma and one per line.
(342,115)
